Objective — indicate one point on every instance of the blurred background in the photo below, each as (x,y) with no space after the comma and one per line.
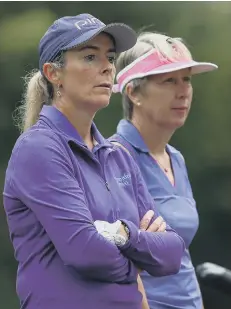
(204,140)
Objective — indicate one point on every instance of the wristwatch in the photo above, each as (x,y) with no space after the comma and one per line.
(111,231)
(120,240)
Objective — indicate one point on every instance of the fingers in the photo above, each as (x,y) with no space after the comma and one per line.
(145,221)
(162,227)
(157,226)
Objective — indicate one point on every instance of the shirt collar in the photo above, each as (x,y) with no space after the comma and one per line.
(131,134)
(61,123)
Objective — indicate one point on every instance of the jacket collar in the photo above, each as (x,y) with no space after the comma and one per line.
(60,122)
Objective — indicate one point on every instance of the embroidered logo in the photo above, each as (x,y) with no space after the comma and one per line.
(124,180)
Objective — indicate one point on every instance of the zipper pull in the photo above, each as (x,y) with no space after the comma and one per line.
(107,186)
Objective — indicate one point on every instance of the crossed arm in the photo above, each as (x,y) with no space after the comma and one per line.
(157,226)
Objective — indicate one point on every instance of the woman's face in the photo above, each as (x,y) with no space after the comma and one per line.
(89,72)
(166,99)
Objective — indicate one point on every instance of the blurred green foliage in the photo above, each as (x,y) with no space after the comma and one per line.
(204,140)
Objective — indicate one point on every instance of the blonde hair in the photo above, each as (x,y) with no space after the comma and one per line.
(38,91)
(172,48)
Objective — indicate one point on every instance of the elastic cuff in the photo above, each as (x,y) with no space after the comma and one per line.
(133,239)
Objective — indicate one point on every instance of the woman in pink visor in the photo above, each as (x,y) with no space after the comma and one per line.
(155,82)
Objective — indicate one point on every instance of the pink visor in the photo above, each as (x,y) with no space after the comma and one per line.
(153,63)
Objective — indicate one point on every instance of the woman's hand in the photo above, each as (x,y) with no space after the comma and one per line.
(122,231)
(159,225)
(115,232)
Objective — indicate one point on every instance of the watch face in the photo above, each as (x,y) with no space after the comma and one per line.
(120,240)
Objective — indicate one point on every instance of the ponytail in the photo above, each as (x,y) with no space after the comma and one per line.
(35,96)
(38,91)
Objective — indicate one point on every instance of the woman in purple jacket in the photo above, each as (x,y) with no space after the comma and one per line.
(74,201)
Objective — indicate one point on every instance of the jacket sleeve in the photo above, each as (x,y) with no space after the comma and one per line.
(158,253)
(43,179)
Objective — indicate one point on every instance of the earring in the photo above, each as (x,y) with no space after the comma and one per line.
(138,103)
(58,92)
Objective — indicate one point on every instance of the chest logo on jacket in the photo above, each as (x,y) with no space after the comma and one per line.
(124,180)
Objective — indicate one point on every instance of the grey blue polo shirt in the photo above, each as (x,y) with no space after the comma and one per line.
(175,203)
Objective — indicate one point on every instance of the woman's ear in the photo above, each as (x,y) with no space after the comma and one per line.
(134,96)
(52,74)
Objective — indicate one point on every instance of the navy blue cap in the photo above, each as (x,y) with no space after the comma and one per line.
(71,31)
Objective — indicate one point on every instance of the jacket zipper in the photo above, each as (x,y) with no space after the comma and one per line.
(107,186)
(103,170)
(116,211)
(97,161)
(103,174)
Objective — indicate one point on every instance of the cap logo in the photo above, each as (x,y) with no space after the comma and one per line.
(87,22)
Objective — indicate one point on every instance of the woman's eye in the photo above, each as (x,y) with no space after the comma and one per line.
(90,57)
(187,79)
(111,59)
(170,80)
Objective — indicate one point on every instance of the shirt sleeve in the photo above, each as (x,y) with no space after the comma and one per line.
(158,253)
(43,179)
